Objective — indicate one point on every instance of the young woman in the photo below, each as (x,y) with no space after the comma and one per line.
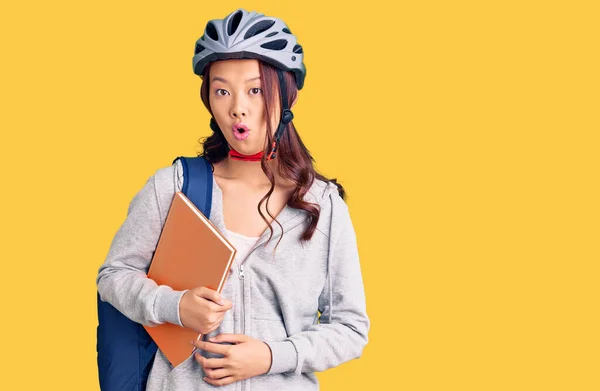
(296,247)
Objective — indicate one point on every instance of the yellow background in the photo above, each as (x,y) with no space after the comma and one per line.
(466,134)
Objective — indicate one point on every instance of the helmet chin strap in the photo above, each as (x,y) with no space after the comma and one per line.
(286,117)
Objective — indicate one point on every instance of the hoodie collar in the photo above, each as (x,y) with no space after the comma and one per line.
(318,193)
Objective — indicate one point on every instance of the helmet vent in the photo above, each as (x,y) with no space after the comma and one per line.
(211,31)
(278,44)
(286,30)
(199,48)
(297,49)
(258,28)
(234,22)
(272,34)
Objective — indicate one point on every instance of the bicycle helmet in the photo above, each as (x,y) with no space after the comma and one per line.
(243,34)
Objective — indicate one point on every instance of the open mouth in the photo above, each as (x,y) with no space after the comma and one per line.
(240,128)
(240,131)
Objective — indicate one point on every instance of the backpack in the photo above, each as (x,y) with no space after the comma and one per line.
(125,350)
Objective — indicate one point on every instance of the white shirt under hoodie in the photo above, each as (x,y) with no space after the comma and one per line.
(277,302)
(242,244)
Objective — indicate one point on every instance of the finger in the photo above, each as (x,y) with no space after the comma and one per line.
(227,305)
(218,373)
(212,363)
(231,338)
(212,307)
(211,347)
(220,382)
(209,294)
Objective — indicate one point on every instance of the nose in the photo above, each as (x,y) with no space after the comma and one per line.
(238,113)
(239,109)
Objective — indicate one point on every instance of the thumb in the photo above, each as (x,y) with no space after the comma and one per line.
(231,338)
(209,294)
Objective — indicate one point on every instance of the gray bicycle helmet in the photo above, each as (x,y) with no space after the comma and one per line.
(243,34)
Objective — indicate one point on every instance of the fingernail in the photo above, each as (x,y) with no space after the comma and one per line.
(212,339)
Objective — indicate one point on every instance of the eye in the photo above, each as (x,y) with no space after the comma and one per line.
(255,91)
(222,92)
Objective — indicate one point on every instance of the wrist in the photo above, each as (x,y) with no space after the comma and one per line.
(268,359)
(284,357)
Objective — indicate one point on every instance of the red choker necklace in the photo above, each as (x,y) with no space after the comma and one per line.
(251,158)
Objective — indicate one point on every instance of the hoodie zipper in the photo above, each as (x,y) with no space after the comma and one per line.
(242,277)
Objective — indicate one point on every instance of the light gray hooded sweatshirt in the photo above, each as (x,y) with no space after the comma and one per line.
(277,301)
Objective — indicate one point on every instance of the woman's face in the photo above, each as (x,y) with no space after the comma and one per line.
(236,100)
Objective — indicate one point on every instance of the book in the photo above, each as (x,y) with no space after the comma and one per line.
(190,253)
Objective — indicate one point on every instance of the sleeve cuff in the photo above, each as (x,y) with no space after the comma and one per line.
(167,305)
(284,357)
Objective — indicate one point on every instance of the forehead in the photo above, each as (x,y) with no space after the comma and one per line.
(235,69)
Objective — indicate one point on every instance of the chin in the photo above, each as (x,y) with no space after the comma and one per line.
(245,149)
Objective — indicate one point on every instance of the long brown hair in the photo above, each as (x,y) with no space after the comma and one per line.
(294,161)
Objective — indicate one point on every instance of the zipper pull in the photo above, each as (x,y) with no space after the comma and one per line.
(241,271)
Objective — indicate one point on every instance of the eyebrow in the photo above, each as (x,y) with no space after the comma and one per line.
(217,78)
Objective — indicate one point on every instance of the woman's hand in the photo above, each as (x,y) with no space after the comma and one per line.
(247,358)
(202,309)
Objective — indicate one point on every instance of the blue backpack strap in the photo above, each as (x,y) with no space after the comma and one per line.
(125,349)
(197,182)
